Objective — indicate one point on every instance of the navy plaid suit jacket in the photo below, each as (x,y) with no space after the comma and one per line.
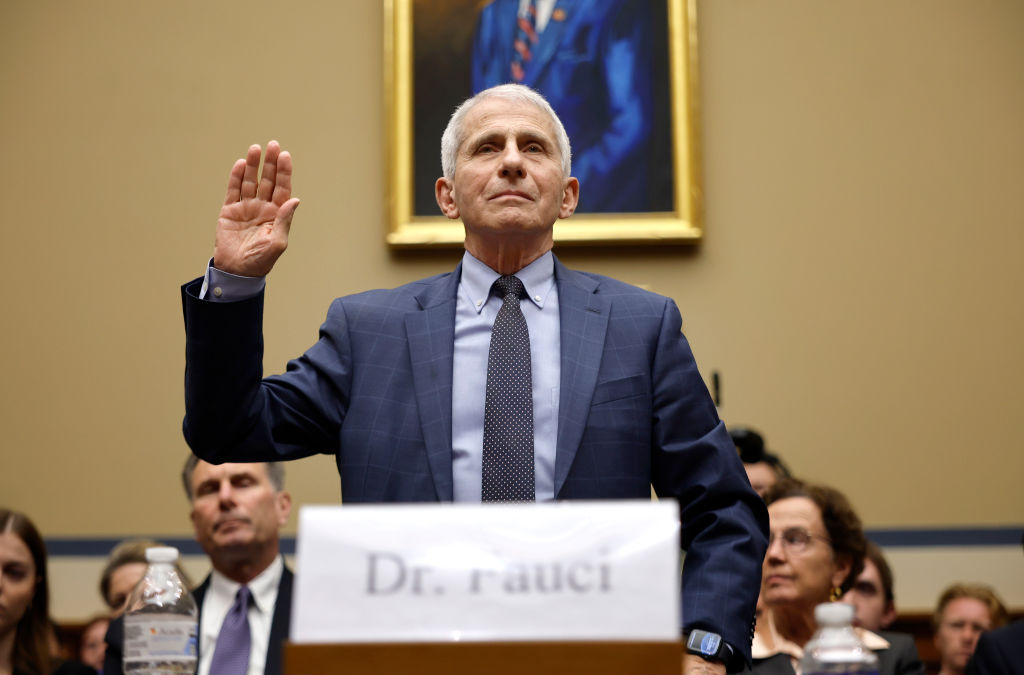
(376,392)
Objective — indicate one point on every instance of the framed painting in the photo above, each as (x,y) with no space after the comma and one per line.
(621,74)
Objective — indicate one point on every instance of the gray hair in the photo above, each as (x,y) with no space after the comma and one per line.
(275,472)
(455,133)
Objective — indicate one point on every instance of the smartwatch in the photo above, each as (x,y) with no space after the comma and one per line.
(711,647)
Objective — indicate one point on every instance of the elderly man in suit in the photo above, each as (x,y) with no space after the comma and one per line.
(563,385)
(237,513)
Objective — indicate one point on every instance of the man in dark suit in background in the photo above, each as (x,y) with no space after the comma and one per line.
(237,513)
(874,602)
(399,386)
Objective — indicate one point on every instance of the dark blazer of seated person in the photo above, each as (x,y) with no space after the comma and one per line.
(999,652)
(113,662)
(63,668)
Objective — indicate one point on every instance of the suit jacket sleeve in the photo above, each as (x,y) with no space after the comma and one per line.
(999,652)
(231,414)
(724,522)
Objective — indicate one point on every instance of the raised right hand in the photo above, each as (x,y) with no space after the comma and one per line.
(252,229)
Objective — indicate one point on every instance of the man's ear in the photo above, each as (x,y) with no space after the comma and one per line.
(570,198)
(284,508)
(444,192)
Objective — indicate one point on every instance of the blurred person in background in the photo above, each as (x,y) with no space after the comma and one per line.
(238,510)
(93,646)
(963,613)
(25,626)
(763,468)
(816,550)
(124,568)
(1000,651)
(872,596)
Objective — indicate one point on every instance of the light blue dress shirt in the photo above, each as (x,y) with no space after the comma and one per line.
(475,311)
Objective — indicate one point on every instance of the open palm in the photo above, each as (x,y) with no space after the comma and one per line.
(252,229)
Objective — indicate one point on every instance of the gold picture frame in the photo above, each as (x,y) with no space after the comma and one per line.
(412,223)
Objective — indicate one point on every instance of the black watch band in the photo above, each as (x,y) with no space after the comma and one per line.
(711,647)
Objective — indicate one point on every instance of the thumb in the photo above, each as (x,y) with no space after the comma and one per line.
(284,215)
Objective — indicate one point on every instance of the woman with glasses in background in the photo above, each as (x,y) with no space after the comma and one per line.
(816,549)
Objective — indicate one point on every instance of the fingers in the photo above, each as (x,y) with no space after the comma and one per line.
(275,184)
(266,189)
(252,168)
(235,182)
(283,179)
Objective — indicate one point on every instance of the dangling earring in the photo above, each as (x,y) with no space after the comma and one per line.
(835,594)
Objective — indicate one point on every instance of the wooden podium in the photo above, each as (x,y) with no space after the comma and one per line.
(485,658)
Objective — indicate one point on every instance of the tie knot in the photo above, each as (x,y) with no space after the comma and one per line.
(509,285)
(244,597)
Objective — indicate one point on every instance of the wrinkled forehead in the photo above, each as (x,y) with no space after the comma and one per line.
(205,471)
(501,115)
(795,511)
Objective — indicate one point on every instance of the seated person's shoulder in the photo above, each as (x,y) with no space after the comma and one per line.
(72,668)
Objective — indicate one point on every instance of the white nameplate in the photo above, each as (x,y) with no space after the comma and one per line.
(447,572)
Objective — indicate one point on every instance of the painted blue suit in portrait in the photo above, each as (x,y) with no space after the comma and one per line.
(593,62)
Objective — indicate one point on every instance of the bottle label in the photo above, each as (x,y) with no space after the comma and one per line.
(153,640)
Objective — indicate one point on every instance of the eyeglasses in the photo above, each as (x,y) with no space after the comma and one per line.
(796,539)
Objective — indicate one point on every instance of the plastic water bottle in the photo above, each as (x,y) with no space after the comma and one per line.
(160,625)
(835,648)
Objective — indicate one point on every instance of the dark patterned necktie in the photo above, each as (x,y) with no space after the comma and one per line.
(231,656)
(508,406)
(526,38)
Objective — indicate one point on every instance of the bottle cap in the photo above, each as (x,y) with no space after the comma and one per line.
(161,554)
(833,614)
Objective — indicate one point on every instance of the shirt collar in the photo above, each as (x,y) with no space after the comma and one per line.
(759,649)
(263,586)
(477,278)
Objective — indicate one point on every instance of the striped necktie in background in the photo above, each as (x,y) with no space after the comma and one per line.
(526,38)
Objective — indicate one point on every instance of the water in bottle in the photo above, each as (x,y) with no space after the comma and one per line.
(835,648)
(160,620)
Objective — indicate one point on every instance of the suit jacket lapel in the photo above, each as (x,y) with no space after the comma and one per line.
(584,322)
(548,44)
(280,623)
(198,593)
(431,336)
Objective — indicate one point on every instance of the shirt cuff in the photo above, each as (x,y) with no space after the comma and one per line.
(221,286)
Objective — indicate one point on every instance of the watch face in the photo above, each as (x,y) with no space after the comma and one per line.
(712,647)
(710,643)
(705,643)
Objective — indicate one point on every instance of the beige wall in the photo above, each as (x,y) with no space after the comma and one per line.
(858,287)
